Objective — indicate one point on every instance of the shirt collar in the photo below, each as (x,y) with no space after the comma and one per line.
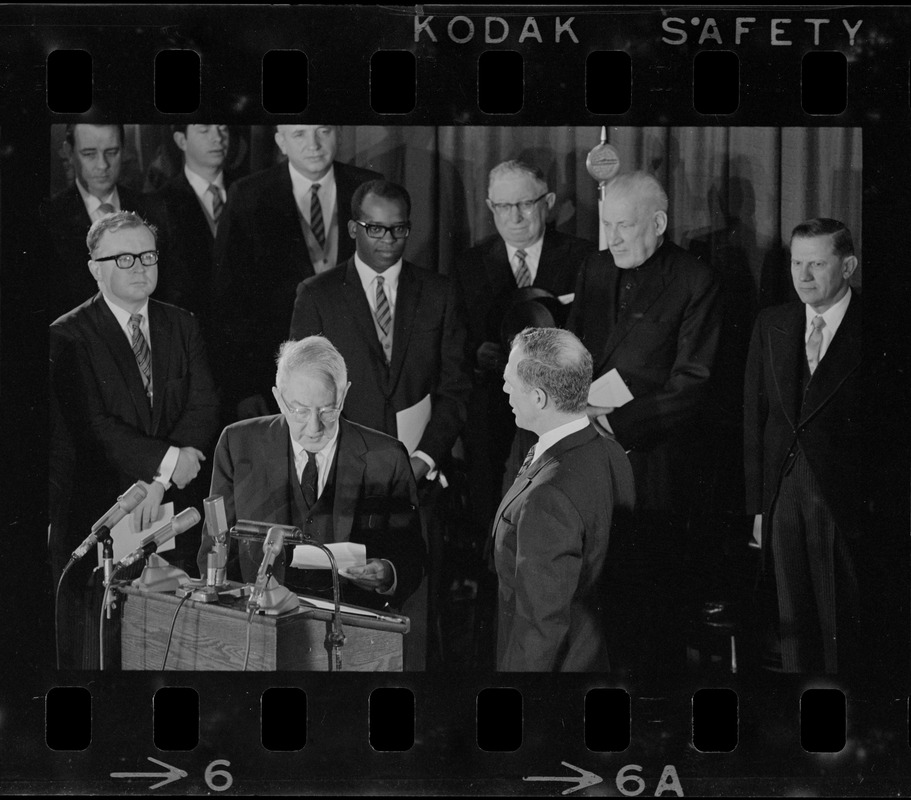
(832,316)
(123,316)
(300,184)
(324,456)
(549,439)
(92,203)
(201,185)
(367,274)
(533,251)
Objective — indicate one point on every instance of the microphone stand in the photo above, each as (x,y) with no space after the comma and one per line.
(335,636)
(107,564)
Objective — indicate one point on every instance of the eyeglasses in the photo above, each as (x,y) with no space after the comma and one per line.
(126,260)
(525,206)
(375,231)
(302,414)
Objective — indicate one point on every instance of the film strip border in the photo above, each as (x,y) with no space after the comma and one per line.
(459,64)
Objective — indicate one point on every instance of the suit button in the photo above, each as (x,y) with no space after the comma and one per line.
(309,520)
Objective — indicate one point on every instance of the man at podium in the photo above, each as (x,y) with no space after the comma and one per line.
(336,480)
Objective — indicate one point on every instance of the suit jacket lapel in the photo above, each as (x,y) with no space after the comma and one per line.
(497,270)
(356,302)
(349,471)
(408,298)
(786,354)
(121,352)
(160,332)
(274,459)
(550,455)
(841,359)
(288,223)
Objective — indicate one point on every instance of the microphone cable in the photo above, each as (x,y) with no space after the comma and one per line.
(57,610)
(171,631)
(249,629)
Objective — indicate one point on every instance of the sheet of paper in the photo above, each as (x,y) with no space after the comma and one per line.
(347,554)
(411,422)
(329,605)
(566,299)
(126,541)
(609,391)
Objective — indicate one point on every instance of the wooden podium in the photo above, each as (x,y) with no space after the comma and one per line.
(213,636)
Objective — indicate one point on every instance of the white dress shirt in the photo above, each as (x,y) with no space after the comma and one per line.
(832,317)
(326,257)
(169,462)
(368,277)
(549,439)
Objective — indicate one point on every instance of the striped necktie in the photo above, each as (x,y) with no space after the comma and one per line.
(316,216)
(523,276)
(103,210)
(529,457)
(142,352)
(383,312)
(814,343)
(217,203)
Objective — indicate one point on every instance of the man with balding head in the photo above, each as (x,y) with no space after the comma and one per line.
(95,153)
(280,226)
(649,310)
(524,252)
(552,527)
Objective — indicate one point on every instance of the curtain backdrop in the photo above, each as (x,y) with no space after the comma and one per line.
(735,193)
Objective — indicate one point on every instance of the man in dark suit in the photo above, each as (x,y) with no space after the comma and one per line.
(336,480)
(96,154)
(808,439)
(552,528)
(522,253)
(650,311)
(133,401)
(401,330)
(189,208)
(280,226)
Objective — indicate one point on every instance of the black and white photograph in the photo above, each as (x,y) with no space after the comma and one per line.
(579,421)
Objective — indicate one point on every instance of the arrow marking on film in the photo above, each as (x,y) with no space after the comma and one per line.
(172,774)
(584,780)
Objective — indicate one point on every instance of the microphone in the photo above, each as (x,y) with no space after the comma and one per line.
(216,519)
(250,529)
(126,503)
(217,528)
(272,546)
(179,523)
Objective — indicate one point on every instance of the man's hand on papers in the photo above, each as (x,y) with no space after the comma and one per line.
(375,575)
(147,511)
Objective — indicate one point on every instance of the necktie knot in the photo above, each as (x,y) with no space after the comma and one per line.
(528,459)
(135,320)
(105,208)
(522,273)
(814,343)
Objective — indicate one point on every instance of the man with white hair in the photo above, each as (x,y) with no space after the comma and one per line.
(336,480)
(650,311)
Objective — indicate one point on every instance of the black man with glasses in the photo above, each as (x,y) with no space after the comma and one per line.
(131,381)
(399,327)
(334,479)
